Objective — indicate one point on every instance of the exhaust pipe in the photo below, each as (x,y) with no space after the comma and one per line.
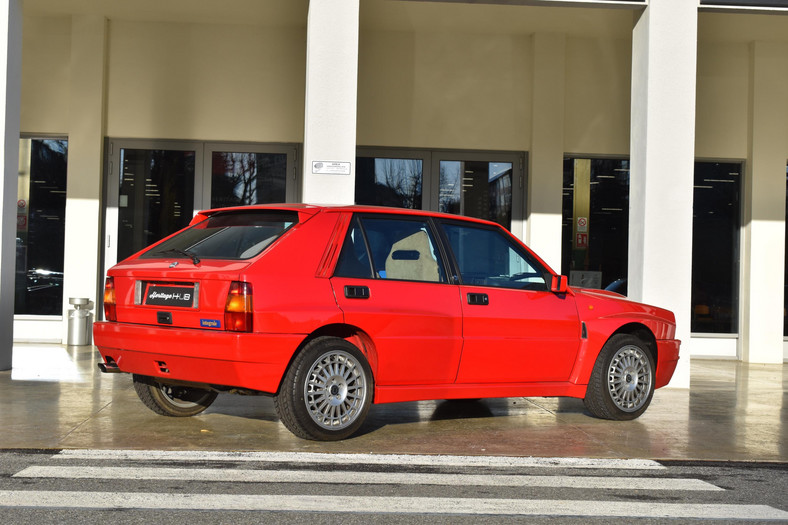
(110,367)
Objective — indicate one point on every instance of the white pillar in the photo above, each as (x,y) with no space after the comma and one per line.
(330,109)
(546,173)
(10,95)
(81,265)
(662,147)
(763,253)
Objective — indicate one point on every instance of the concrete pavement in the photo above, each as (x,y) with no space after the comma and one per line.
(55,397)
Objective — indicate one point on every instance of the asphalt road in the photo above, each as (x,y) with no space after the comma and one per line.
(83,486)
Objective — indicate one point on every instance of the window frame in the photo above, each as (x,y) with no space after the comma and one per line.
(433,231)
(514,243)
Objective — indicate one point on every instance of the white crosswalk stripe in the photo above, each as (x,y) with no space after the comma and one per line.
(365,459)
(365,478)
(377,504)
(443,485)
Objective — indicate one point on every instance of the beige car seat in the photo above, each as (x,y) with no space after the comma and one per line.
(411,259)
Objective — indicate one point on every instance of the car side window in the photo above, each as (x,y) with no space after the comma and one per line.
(402,249)
(354,259)
(486,257)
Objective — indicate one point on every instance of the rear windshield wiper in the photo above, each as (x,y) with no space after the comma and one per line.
(178,251)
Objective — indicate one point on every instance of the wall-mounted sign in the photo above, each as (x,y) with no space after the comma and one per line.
(582,224)
(581,241)
(322,167)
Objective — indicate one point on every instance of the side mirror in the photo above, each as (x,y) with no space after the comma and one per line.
(560,284)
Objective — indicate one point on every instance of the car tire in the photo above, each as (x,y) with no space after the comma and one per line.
(327,391)
(172,400)
(622,382)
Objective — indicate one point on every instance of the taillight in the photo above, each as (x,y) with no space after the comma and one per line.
(110,310)
(238,309)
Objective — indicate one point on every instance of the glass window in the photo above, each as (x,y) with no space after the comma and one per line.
(403,249)
(715,247)
(596,223)
(478,189)
(156,196)
(488,258)
(40,226)
(227,235)
(240,179)
(354,259)
(389,182)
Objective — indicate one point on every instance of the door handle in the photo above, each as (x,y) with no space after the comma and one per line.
(478,299)
(356,292)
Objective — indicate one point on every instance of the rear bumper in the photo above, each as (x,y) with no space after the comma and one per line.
(253,361)
(667,359)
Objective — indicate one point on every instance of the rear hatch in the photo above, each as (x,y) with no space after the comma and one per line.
(184,280)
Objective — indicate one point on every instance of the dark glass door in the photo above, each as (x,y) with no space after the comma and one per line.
(481,189)
(155,197)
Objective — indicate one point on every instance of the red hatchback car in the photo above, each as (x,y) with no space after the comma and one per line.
(331,309)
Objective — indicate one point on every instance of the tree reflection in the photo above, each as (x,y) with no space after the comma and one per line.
(389,182)
(241,179)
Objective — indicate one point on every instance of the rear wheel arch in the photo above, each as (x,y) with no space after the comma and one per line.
(350,333)
(327,390)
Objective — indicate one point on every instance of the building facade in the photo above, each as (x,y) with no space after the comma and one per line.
(638,144)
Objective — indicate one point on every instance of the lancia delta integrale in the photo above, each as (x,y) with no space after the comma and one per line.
(332,309)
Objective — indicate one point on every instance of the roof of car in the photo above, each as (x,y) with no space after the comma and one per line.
(312,209)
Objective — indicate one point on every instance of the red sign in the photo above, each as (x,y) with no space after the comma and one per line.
(21,204)
(581,240)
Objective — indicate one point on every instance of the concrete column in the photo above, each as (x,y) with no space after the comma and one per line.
(10,94)
(662,147)
(546,155)
(330,109)
(87,122)
(763,253)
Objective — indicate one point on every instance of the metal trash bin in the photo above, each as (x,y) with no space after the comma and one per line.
(79,321)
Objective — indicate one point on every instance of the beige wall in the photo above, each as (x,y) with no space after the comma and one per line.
(46,78)
(207,82)
(722,94)
(598,72)
(475,91)
(444,90)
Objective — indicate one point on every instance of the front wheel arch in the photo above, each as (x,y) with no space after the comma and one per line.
(622,381)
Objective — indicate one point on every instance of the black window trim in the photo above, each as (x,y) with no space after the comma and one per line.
(500,230)
(357,218)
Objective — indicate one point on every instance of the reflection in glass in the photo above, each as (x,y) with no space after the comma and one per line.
(595,238)
(389,182)
(715,248)
(240,179)
(40,227)
(478,189)
(156,196)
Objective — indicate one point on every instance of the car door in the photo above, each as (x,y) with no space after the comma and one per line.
(514,328)
(390,281)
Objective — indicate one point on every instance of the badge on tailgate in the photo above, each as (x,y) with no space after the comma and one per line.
(170,294)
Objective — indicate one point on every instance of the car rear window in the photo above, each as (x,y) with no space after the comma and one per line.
(227,235)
